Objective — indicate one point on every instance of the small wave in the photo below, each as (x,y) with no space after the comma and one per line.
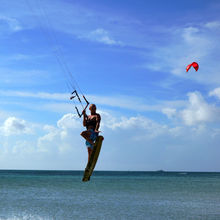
(26,217)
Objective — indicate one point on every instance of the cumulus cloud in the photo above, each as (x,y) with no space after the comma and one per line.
(62,137)
(23,147)
(215,92)
(195,111)
(134,127)
(69,121)
(169,112)
(198,110)
(129,143)
(65,136)
(15,126)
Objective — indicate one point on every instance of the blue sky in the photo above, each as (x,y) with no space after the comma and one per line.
(129,59)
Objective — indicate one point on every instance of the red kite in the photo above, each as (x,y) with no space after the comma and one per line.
(194,64)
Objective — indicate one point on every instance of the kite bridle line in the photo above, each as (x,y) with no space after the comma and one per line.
(71,83)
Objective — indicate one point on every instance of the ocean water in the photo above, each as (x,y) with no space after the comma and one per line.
(109,195)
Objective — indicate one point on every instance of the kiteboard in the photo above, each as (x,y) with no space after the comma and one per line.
(93,159)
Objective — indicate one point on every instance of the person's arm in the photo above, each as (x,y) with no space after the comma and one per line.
(98,123)
(85,117)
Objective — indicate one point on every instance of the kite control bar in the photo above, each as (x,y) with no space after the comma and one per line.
(77,95)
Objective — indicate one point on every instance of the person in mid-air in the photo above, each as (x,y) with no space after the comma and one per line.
(92,124)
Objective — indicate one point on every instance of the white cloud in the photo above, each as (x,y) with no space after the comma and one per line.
(60,137)
(65,136)
(215,92)
(22,147)
(195,111)
(189,35)
(69,121)
(198,110)
(136,127)
(188,44)
(169,112)
(102,36)
(18,57)
(15,126)
(213,24)
(12,23)
(39,95)
(127,102)
(129,143)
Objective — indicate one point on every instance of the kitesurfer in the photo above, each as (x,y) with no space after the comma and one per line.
(92,124)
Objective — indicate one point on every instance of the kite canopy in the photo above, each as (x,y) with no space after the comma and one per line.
(194,64)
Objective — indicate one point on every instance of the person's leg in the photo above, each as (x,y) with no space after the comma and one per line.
(89,153)
(86,134)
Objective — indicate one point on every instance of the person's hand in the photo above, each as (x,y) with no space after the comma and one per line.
(84,112)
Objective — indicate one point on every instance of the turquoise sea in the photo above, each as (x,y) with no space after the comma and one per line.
(109,195)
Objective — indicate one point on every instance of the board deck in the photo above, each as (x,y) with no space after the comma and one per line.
(93,159)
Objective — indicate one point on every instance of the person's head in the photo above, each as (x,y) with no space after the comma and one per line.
(92,108)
